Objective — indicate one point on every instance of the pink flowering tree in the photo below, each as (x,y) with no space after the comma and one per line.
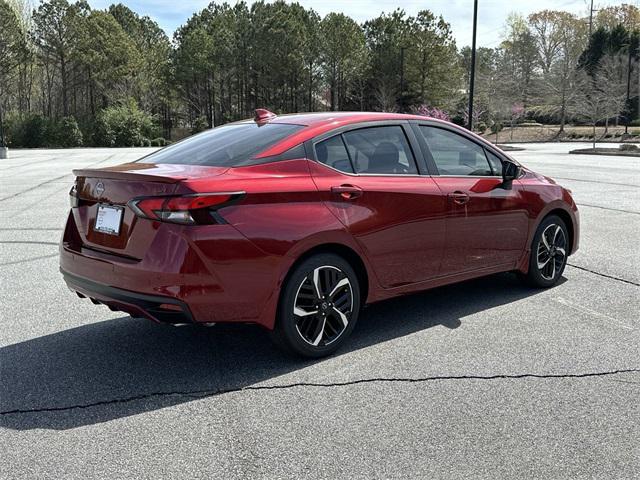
(478,112)
(433,112)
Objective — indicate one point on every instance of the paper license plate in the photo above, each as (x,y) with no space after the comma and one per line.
(109,219)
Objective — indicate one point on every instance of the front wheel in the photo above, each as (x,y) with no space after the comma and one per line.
(548,253)
(319,307)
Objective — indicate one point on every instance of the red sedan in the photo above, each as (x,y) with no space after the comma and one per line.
(295,222)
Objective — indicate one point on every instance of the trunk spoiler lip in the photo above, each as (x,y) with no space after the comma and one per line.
(129,172)
(131,176)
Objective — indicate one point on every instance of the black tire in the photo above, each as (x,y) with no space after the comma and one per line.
(549,255)
(317,334)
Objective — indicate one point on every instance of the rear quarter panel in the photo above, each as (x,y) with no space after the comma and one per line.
(283,216)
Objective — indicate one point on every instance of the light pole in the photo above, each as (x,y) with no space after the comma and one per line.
(402,49)
(632,46)
(4,150)
(472,75)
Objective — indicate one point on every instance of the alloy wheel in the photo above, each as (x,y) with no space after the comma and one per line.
(551,253)
(323,305)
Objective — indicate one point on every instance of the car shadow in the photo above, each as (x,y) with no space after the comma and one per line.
(121,367)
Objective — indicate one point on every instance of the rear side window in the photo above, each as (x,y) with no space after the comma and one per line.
(231,145)
(381,150)
(332,152)
(455,155)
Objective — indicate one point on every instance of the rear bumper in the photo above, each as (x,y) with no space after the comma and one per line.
(160,309)
(214,272)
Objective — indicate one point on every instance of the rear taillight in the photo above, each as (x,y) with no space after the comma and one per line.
(196,209)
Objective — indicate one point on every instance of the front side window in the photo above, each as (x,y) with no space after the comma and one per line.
(455,155)
(496,163)
(380,150)
(230,145)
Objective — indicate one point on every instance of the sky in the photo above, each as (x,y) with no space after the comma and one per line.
(492,14)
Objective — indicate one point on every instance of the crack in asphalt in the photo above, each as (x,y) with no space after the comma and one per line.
(607,208)
(597,181)
(604,275)
(29,242)
(57,229)
(211,393)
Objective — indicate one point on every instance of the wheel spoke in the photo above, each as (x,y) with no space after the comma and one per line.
(543,264)
(316,282)
(561,251)
(342,283)
(320,332)
(343,317)
(303,313)
(555,234)
(545,242)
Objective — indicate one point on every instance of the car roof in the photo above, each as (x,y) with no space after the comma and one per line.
(318,118)
(322,122)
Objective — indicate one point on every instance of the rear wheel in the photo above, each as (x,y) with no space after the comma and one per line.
(319,306)
(548,253)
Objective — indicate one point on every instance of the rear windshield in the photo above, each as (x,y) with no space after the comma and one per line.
(230,145)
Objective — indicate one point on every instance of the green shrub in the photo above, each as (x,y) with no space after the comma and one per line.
(496,127)
(67,133)
(635,123)
(28,131)
(124,126)
(12,132)
(158,142)
(628,147)
(36,131)
(481,127)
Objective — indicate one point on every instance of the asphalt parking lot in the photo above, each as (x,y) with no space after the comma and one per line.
(486,379)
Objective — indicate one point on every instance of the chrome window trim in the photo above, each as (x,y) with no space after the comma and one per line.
(370,174)
(403,174)
(467,176)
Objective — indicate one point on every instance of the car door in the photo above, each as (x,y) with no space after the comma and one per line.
(368,177)
(487,225)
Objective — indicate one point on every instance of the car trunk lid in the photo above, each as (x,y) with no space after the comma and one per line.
(105,192)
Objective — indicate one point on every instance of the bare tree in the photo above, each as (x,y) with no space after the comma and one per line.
(598,98)
(557,88)
(386,94)
(547,31)
(612,73)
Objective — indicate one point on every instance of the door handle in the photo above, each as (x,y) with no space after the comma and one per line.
(348,192)
(459,198)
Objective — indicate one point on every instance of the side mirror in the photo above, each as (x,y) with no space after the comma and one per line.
(510,171)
